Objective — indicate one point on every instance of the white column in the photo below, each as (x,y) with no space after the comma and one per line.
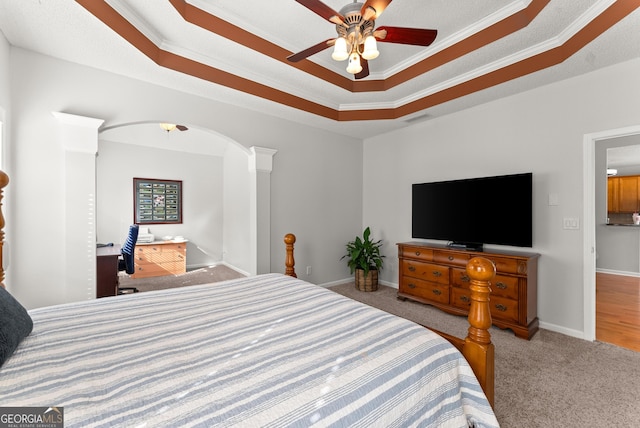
(79,138)
(260,167)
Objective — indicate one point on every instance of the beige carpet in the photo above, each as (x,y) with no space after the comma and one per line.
(197,276)
(551,381)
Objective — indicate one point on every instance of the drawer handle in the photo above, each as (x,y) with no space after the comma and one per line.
(501,308)
(465,278)
(417,253)
(437,273)
(465,299)
(501,285)
(412,268)
(411,285)
(450,258)
(436,292)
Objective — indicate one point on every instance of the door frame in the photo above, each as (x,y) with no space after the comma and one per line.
(589,230)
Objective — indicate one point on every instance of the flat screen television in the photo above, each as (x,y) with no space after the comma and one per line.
(471,212)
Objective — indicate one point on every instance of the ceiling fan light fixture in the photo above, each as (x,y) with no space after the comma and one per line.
(340,52)
(168,126)
(357,34)
(370,48)
(354,66)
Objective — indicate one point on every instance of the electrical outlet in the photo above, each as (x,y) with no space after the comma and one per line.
(308,270)
(571,223)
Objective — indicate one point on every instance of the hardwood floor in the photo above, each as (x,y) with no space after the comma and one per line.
(618,310)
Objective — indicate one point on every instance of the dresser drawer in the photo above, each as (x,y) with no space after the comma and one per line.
(425,289)
(506,265)
(417,253)
(500,308)
(460,278)
(458,259)
(161,248)
(144,270)
(426,271)
(503,309)
(505,286)
(460,298)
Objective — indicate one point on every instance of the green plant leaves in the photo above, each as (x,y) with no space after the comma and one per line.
(364,253)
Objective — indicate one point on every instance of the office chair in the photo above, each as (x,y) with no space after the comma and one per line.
(126,263)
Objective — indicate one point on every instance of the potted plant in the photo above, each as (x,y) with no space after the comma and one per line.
(364,258)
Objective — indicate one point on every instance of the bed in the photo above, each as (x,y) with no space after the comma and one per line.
(263,351)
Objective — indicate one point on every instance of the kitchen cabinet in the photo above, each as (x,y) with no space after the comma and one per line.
(623,194)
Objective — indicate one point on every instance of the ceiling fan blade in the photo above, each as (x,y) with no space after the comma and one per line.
(405,36)
(323,10)
(365,69)
(373,8)
(182,128)
(310,51)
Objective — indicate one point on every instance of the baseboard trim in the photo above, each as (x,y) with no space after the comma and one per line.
(350,279)
(206,265)
(332,283)
(619,272)
(563,330)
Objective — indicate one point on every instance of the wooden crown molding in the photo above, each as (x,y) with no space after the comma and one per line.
(555,55)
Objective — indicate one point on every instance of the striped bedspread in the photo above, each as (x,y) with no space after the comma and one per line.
(265,351)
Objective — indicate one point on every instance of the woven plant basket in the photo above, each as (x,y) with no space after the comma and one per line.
(368,283)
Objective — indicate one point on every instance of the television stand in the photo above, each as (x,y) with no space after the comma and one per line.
(436,274)
(468,246)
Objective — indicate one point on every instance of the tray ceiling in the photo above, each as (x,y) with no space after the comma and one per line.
(235,52)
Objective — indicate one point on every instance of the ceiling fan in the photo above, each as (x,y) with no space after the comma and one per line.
(171,126)
(357,37)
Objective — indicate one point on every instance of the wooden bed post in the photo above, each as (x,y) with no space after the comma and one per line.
(289,262)
(478,349)
(4,180)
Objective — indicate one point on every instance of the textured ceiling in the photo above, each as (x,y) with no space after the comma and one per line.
(235,52)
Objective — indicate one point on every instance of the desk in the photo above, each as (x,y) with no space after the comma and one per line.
(107,271)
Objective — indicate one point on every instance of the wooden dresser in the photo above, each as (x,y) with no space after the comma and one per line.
(436,275)
(160,258)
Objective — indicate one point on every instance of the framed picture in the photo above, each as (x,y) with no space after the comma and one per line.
(157,201)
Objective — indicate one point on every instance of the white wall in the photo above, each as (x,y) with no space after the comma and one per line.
(236,205)
(540,131)
(201,176)
(316,183)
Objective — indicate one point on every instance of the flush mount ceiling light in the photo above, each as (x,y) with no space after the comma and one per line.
(357,39)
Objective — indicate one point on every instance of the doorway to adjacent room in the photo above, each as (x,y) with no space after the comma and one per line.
(610,314)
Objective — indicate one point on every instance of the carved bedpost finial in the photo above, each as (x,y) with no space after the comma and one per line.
(481,271)
(289,262)
(4,180)
(478,344)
